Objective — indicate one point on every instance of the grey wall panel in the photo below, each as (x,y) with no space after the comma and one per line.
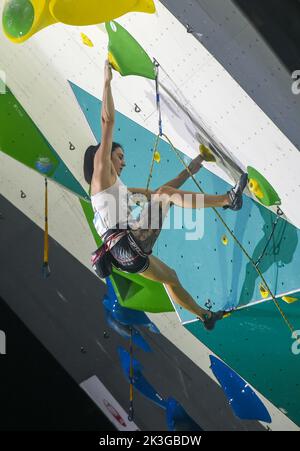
(227,34)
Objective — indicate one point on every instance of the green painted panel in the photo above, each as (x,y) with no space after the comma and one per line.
(21,139)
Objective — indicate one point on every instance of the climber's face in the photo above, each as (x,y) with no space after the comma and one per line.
(118,160)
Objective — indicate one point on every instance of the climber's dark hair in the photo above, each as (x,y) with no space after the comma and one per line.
(88,165)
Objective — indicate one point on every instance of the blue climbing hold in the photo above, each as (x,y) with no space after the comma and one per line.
(242,399)
(125,332)
(178,419)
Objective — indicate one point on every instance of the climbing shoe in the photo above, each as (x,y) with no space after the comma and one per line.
(209,323)
(236,194)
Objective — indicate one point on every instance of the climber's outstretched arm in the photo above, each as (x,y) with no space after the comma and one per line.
(194,166)
(102,162)
(143,191)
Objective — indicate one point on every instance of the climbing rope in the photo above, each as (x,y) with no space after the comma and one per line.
(46,270)
(131,412)
(274,225)
(237,241)
(255,265)
(160,133)
(155,148)
(158,97)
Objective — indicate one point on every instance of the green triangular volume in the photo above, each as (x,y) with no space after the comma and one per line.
(126,55)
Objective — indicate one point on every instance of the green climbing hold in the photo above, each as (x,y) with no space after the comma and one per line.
(126,55)
(17,18)
(261,188)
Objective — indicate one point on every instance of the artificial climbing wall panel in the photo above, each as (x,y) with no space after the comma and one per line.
(219,276)
(21,140)
(24,188)
(198,94)
(202,86)
(227,34)
(256,343)
(214,273)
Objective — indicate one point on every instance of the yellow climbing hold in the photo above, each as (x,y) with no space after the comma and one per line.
(207,153)
(113,62)
(226,315)
(157,157)
(255,188)
(289,299)
(263,291)
(261,188)
(92,12)
(86,40)
(224,240)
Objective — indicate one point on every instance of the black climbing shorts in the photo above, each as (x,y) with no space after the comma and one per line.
(126,255)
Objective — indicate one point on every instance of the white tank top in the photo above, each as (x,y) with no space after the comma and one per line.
(111,207)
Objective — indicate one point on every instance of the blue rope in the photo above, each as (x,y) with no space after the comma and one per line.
(158,98)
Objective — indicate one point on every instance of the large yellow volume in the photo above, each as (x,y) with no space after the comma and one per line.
(91,12)
(21,19)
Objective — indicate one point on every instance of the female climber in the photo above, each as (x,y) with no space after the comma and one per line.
(128,241)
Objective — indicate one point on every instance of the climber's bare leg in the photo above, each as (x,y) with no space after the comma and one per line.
(160,272)
(190,199)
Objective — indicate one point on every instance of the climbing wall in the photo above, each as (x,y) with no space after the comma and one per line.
(210,263)
(258,345)
(210,94)
(57,81)
(227,34)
